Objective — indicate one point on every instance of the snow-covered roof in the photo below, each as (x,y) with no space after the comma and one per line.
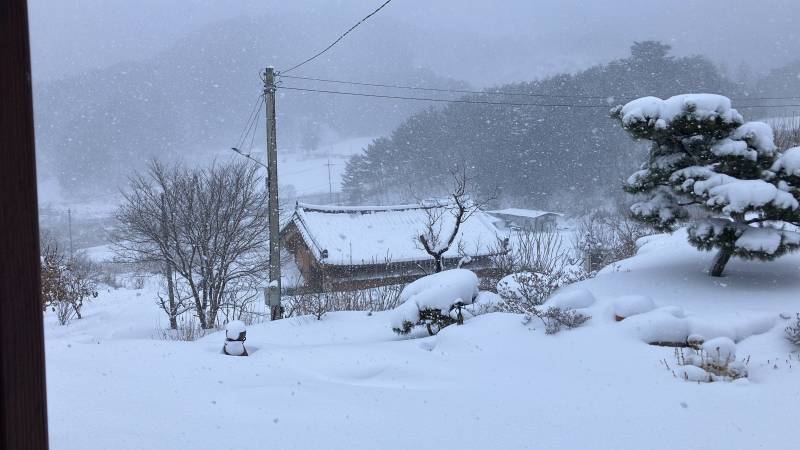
(519,212)
(362,235)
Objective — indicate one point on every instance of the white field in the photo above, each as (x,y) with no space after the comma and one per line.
(348,382)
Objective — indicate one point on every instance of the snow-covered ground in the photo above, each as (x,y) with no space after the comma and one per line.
(349,382)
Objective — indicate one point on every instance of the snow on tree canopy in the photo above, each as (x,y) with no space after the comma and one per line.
(788,162)
(745,195)
(661,112)
(721,175)
(758,135)
(439,291)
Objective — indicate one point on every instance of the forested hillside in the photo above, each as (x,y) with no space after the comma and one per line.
(543,154)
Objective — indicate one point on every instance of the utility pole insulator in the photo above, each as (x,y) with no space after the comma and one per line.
(273,290)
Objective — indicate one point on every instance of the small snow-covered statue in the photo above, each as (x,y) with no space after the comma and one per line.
(235,335)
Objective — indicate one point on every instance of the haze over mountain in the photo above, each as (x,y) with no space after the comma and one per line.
(119,82)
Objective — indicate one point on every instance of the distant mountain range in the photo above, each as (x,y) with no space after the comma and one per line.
(192,101)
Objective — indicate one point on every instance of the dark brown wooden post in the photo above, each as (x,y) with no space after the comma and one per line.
(23,414)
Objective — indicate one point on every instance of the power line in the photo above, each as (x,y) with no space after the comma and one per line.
(455,91)
(339,38)
(256,121)
(253,115)
(497,92)
(443,100)
(487,102)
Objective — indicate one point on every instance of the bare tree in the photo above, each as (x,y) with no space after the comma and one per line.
(439,235)
(208,226)
(787,132)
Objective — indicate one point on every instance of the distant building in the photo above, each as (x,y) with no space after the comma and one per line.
(348,247)
(518,218)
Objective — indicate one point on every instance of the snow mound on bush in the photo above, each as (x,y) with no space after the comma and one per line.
(669,324)
(692,373)
(662,112)
(659,325)
(631,305)
(721,350)
(788,162)
(572,299)
(510,286)
(439,291)
(759,135)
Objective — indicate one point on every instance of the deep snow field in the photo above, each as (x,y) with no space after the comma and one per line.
(348,381)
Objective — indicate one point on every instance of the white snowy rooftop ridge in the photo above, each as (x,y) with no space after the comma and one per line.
(521,212)
(366,235)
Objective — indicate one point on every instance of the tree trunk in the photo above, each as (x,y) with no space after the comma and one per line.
(438,267)
(720,261)
(173,308)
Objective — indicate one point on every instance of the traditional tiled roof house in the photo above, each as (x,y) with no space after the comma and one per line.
(347,247)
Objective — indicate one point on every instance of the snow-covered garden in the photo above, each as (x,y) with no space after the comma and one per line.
(648,352)
(498,381)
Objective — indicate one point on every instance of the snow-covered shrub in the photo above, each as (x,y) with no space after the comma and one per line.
(315,304)
(187,329)
(67,282)
(435,301)
(604,237)
(715,360)
(486,302)
(527,292)
(787,132)
(793,331)
(381,298)
(709,168)
(528,287)
(555,319)
(543,259)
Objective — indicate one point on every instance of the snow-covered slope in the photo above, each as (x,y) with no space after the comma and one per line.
(349,382)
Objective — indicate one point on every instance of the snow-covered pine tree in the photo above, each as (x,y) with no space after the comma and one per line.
(710,169)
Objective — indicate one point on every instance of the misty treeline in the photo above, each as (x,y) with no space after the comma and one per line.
(559,157)
(193,99)
(204,230)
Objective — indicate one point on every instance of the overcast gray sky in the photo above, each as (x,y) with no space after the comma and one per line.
(503,40)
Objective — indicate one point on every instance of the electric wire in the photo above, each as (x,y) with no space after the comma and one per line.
(498,92)
(248,124)
(486,102)
(337,39)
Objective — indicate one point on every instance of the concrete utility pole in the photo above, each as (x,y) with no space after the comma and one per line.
(273,296)
(330,185)
(69,230)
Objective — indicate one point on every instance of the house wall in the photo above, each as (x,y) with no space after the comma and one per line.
(320,278)
(545,222)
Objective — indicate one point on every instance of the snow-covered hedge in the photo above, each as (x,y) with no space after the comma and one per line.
(435,301)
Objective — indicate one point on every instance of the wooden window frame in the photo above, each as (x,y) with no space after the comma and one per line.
(23,411)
